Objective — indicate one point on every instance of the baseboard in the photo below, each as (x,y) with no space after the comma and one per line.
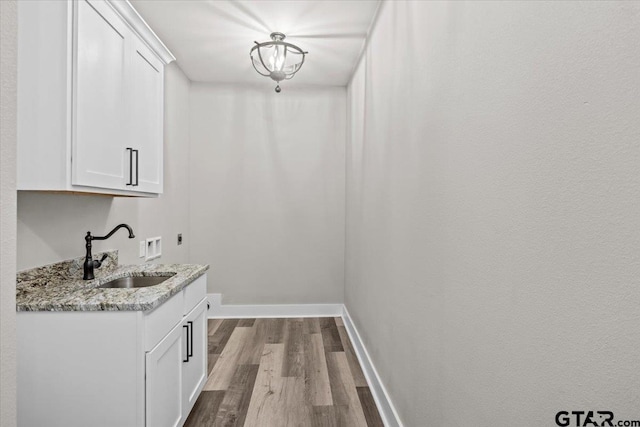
(218,310)
(385,406)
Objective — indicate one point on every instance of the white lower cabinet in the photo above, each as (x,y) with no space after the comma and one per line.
(113,368)
(164,381)
(176,370)
(194,366)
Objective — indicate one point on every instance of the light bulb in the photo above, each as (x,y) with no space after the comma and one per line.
(278,58)
(272,60)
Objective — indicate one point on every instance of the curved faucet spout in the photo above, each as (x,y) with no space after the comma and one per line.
(131,236)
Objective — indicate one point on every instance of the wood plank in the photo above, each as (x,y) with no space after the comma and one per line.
(311,325)
(343,390)
(211,362)
(245,323)
(356,371)
(295,411)
(342,414)
(219,339)
(293,362)
(369,407)
(235,404)
(255,342)
(212,326)
(330,335)
(204,411)
(339,321)
(317,387)
(226,364)
(276,401)
(324,416)
(264,407)
(275,331)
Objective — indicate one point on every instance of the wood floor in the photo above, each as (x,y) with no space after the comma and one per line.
(283,372)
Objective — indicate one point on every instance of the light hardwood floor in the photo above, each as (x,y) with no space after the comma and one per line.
(283,372)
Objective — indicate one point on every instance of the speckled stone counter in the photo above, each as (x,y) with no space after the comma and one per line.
(59,287)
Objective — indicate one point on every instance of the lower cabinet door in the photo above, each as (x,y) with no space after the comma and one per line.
(194,369)
(164,381)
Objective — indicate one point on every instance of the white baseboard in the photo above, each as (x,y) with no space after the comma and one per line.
(385,406)
(218,310)
(388,412)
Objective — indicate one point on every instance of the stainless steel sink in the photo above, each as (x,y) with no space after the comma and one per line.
(135,281)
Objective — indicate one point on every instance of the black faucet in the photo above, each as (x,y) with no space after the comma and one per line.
(89,262)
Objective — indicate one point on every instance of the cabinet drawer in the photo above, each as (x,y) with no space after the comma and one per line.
(162,319)
(194,292)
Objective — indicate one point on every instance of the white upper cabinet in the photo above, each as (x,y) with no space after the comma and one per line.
(101,83)
(146,106)
(90,99)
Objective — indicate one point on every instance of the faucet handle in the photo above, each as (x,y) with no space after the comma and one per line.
(97,264)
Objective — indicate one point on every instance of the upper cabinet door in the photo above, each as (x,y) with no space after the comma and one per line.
(146,115)
(99,157)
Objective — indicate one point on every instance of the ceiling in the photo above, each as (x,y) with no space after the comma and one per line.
(211,39)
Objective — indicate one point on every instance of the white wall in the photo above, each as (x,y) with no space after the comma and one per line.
(8,123)
(493,245)
(51,227)
(267,192)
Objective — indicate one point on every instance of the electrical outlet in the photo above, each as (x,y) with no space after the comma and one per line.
(179,238)
(143,249)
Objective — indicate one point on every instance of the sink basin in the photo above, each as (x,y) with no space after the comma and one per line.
(135,281)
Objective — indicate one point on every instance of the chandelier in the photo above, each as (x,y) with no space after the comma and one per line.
(277,59)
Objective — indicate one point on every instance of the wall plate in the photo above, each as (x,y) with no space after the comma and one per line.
(153,248)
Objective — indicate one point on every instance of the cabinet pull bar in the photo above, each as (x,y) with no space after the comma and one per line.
(186,349)
(130,166)
(137,167)
(190,343)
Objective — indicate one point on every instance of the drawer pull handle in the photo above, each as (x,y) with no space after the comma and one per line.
(190,342)
(187,349)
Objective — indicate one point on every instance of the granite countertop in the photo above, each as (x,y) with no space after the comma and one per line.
(59,287)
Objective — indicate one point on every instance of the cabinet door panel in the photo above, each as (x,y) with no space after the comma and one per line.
(147,110)
(194,372)
(100,88)
(164,381)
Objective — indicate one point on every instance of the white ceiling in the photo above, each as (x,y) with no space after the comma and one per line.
(211,39)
